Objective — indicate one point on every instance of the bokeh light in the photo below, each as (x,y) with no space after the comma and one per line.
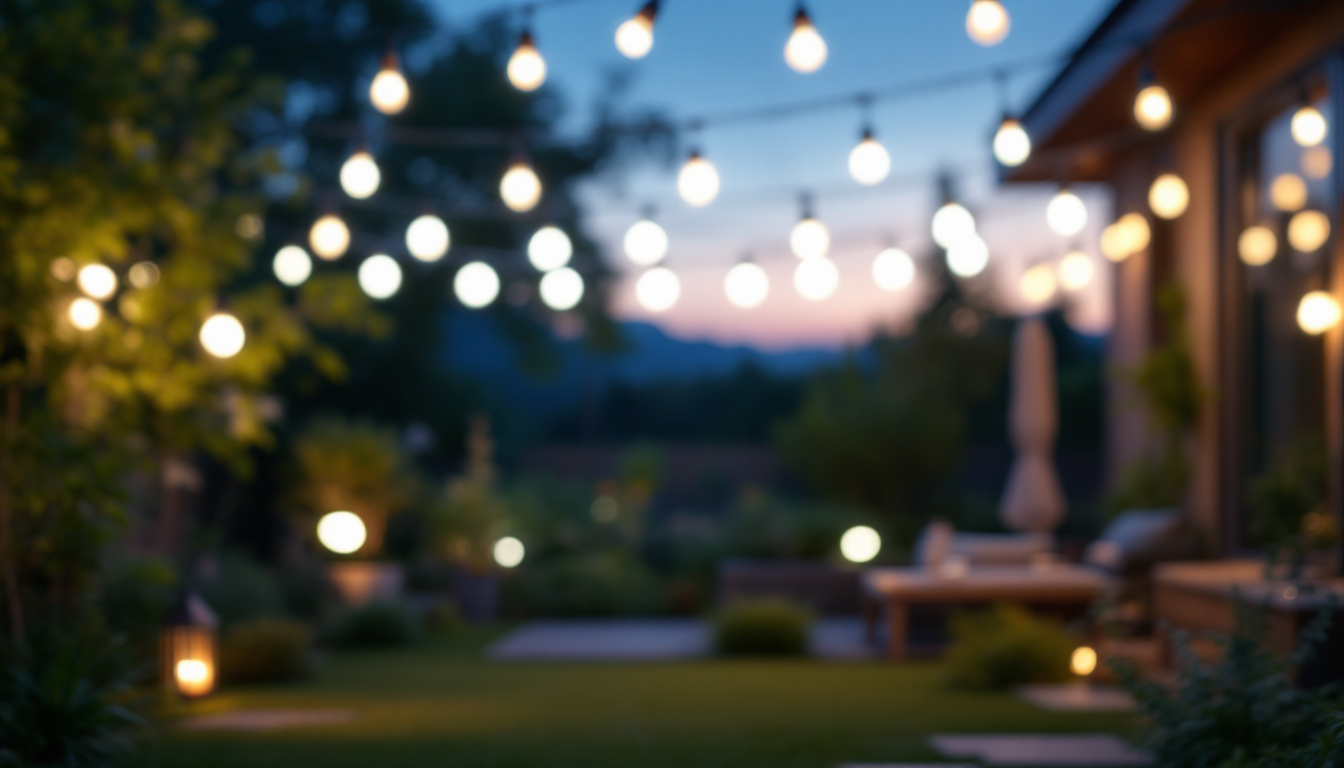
(860,544)
(816,279)
(222,335)
(476,284)
(380,276)
(341,532)
(292,265)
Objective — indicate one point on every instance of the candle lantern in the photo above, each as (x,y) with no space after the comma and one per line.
(188,648)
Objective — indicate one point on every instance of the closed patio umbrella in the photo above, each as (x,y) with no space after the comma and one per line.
(1032,500)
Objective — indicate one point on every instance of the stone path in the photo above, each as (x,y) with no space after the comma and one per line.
(1042,750)
(266,719)
(1077,697)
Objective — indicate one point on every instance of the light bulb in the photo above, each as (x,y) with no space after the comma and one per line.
(427,238)
(360,176)
(645,243)
(380,276)
(1257,245)
(1135,232)
(1113,244)
(698,182)
(292,265)
(509,552)
(97,281)
(746,285)
(388,92)
(1012,145)
(1168,196)
(341,532)
(860,544)
(1066,214)
(1083,662)
(869,161)
(1308,231)
(893,269)
(1152,107)
(1288,192)
(810,239)
(1317,162)
(520,188)
(1309,127)
(476,284)
(561,289)
(549,249)
(658,289)
(527,69)
(85,314)
(816,279)
(222,335)
(329,237)
(969,257)
(143,274)
(1038,285)
(63,268)
(987,22)
(952,223)
(1318,312)
(634,38)
(806,50)
(1076,271)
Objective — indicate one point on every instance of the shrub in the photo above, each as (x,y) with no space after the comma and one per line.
(265,651)
(241,590)
(762,628)
(307,590)
(593,583)
(1006,646)
(133,598)
(379,624)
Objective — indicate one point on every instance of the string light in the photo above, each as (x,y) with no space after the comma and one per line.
(520,188)
(1152,104)
(388,92)
(987,22)
(85,313)
(1288,192)
(1308,231)
(1113,244)
(1257,245)
(1038,286)
(1012,145)
(360,176)
(1318,312)
(893,270)
(1076,271)
(342,532)
(1168,196)
(97,281)
(427,238)
(1317,162)
(746,285)
(476,284)
(968,257)
(810,239)
(869,161)
(806,50)
(952,224)
(658,289)
(222,335)
(549,249)
(526,69)
(508,552)
(292,265)
(329,237)
(645,243)
(380,276)
(1066,214)
(561,289)
(1308,127)
(816,279)
(634,38)
(698,182)
(143,274)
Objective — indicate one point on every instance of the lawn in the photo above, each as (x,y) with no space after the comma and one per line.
(441,704)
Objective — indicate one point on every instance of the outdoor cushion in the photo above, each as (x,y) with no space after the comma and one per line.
(1134,535)
(990,548)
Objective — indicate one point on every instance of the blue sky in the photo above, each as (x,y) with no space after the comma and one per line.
(712,56)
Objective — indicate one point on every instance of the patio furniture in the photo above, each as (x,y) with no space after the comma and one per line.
(1046,584)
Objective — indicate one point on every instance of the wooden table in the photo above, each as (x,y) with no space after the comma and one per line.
(895,589)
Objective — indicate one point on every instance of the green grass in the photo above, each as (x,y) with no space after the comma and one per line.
(440,704)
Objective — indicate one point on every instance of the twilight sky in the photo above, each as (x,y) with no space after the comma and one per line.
(717,55)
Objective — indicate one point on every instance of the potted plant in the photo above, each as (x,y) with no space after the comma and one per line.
(1289,514)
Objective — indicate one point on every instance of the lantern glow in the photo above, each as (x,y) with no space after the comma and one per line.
(968,258)
(1308,231)
(1076,271)
(1152,107)
(509,552)
(1288,192)
(952,224)
(634,38)
(1308,127)
(292,265)
(1083,661)
(1257,245)
(85,313)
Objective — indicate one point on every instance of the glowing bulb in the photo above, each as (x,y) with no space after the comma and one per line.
(1066,214)
(427,238)
(1038,285)
(85,314)
(1135,232)
(810,239)
(360,176)
(97,281)
(746,285)
(476,284)
(645,243)
(380,276)
(893,269)
(987,22)
(1309,127)
(1152,107)
(388,92)
(658,289)
(634,38)
(1169,197)
(1083,662)
(1318,312)
(509,552)
(549,249)
(329,237)
(191,673)
(1257,246)
(1317,162)
(1012,145)
(292,265)
(527,69)
(860,544)
(222,335)
(969,257)
(1288,192)
(143,274)
(520,187)
(1308,231)
(869,162)
(1076,271)
(561,289)
(698,182)
(341,532)
(1113,244)
(806,50)
(816,279)
(952,224)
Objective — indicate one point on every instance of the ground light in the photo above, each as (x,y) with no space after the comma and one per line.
(549,248)
(380,276)
(1076,271)
(869,161)
(476,284)
(860,544)
(987,22)
(329,237)
(526,69)
(1012,145)
(1169,196)
(388,92)
(1257,245)
(893,270)
(746,285)
(634,38)
(658,289)
(341,532)
(97,281)
(952,223)
(1308,231)
(222,335)
(1083,661)
(561,289)
(188,648)
(427,238)
(520,188)
(85,313)
(698,181)
(1288,192)
(806,50)
(509,552)
(360,176)
(1066,214)
(1308,127)
(816,279)
(645,243)
(1317,313)
(292,265)
(810,239)
(969,257)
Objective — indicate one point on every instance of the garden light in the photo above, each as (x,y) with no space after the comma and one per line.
(476,284)
(860,544)
(341,532)
(188,648)
(549,249)
(292,265)
(222,335)
(509,552)
(427,238)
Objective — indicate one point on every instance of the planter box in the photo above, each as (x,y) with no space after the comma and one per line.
(360,583)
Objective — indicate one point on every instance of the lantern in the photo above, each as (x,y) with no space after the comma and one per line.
(188,648)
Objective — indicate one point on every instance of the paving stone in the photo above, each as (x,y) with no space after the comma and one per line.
(1023,749)
(1077,697)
